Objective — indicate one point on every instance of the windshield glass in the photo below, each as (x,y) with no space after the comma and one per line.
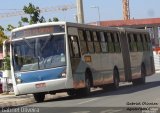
(39,53)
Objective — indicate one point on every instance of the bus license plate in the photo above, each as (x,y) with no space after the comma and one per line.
(40,85)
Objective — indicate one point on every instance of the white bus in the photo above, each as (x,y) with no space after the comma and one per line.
(71,57)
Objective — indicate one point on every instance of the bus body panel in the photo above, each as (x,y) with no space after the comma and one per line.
(43,86)
(101,66)
(41,75)
(136,59)
(140,57)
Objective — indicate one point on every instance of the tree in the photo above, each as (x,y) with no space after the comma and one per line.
(2,35)
(33,12)
(55,19)
(20,24)
(34,15)
(10,27)
(42,20)
(1,28)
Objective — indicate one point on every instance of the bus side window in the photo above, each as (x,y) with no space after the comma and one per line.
(110,42)
(116,43)
(144,43)
(148,40)
(96,43)
(132,42)
(90,42)
(106,40)
(103,43)
(129,42)
(83,44)
(74,46)
(139,42)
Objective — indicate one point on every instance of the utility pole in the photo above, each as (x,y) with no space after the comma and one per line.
(126,10)
(80,13)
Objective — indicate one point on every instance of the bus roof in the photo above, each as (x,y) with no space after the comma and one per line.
(38,25)
(122,29)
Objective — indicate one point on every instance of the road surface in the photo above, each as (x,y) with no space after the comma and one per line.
(127,99)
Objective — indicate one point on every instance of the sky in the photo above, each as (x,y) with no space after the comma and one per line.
(109,9)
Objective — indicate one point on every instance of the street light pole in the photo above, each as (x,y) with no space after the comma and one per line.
(98,23)
(80,13)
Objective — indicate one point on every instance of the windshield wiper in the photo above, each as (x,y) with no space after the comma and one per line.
(46,42)
(28,43)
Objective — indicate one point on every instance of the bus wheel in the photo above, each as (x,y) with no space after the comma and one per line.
(143,74)
(116,79)
(88,86)
(39,97)
(86,91)
(142,79)
(71,92)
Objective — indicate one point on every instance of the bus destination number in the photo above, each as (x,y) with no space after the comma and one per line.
(40,85)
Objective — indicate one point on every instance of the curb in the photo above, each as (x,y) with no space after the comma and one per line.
(9,101)
(15,102)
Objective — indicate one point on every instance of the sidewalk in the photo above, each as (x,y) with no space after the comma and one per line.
(10,100)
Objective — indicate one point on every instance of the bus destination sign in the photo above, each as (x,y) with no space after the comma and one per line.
(37,31)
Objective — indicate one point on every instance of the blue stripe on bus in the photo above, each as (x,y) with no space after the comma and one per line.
(42,75)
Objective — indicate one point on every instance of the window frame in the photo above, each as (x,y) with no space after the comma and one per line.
(71,47)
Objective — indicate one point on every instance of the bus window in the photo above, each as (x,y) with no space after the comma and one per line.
(70,48)
(139,42)
(132,42)
(74,46)
(116,43)
(96,43)
(110,42)
(129,41)
(88,36)
(89,42)
(102,42)
(144,42)
(83,44)
(148,40)
(81,35)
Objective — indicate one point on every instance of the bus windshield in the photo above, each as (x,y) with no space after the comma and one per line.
(39,53)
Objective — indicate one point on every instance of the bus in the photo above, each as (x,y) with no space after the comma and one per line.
(48,58)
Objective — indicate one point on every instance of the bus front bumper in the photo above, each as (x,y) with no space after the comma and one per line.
(42,86)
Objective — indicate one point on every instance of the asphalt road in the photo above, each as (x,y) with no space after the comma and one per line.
(127,99)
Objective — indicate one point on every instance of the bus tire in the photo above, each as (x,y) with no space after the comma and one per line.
(142,79)
(143,75)
(39,97)
(86,91)
(115,79)
(71,92)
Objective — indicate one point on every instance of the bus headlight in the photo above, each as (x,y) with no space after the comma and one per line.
(18,80)
(63,74)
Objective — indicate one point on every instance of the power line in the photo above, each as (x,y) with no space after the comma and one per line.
(43,10)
